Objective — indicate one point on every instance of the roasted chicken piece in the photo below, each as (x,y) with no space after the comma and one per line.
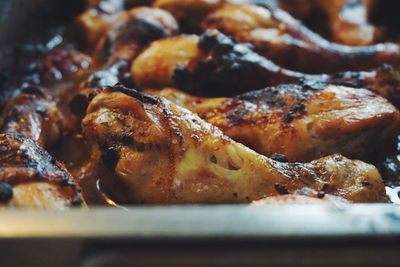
(34,114)
(219,66)
(348,21)
(284,40)
(125,39)
(302,122)
(163,154)
(30,177)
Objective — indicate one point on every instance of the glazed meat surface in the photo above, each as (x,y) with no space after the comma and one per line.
(164,154)
(30,177)
(302,122)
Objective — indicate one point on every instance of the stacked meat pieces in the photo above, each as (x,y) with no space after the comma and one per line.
(198,101)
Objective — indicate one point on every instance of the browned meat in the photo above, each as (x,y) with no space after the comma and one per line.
(124,40)
(30,177)
(161,153)
(284,40)
(219,66)
(301,122)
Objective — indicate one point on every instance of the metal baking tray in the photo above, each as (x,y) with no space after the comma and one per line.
(221,235)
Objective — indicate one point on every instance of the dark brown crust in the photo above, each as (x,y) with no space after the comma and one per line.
(226,66)
(23,161)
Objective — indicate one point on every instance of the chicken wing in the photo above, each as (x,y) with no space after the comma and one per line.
(301,122)
(164,154)
(30,177)
(284,40)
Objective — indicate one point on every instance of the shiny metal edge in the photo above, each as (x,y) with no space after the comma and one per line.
(203,221)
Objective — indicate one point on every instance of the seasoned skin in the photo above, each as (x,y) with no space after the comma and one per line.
(164,154)
(348,21)
(279,37)
(34,115)
(301,122)
(33,178)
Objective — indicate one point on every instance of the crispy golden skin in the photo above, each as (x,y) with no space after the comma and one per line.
(301,122)
(164,154)
(286,41)
(30,177)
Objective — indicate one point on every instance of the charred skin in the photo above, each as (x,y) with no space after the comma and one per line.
(33,178)
(164,154)
(302,122)
(286,41)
